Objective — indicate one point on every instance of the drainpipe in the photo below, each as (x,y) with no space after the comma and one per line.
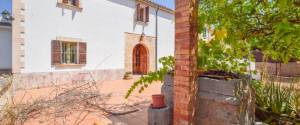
(156,37)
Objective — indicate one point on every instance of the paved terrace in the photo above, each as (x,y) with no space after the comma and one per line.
(113,100)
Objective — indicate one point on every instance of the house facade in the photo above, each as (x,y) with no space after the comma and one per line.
(5,47)
(66,41)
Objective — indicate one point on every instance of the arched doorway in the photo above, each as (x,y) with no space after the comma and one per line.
(140,59)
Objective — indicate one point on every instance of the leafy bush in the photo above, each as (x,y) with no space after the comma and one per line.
(220,56)
(275,98)
(271,26)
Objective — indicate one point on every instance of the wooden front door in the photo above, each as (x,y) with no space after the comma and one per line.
(140,60)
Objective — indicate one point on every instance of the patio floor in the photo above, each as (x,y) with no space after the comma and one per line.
(115,101)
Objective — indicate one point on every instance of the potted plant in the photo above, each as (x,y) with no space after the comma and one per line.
(158,101)
(127,76)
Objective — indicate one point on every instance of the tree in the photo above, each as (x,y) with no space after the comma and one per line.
(271,26)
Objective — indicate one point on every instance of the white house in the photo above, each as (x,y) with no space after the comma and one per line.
(5,47)
(63,41)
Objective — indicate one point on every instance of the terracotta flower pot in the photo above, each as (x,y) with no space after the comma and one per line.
(158,101)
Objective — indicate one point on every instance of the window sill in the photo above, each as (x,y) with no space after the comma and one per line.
(67,6)
(69,65)
(142,22)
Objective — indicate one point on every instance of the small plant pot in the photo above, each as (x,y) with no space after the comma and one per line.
(297,3)
(128,76)
(158,101)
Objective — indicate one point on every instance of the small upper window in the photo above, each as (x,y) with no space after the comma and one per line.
(142,13)
(71,2)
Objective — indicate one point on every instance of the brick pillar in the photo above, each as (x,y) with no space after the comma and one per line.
(186,29)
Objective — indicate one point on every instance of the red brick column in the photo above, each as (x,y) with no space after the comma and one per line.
(185,88)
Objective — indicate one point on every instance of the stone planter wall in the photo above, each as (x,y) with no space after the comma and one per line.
(219,102)
(167,90)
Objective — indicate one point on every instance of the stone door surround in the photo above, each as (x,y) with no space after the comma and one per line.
(131,40)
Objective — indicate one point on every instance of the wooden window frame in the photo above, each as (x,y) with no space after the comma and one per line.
(70,5)
(142,13)
(81,52)
(62,53)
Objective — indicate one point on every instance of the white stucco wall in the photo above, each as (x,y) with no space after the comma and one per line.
(101,24)
(166,35)
(5,47)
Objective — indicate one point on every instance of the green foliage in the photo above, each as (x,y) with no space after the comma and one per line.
(297,100)
(271,26)
(145,81)
(220,56)
(275,98)
(240,26)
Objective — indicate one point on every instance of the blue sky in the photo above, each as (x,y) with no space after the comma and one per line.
(6,4)
(168,3)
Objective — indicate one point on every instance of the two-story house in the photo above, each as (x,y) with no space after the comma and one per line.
(5,43)
(63,41)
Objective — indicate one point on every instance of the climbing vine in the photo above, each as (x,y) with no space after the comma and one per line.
(145,81)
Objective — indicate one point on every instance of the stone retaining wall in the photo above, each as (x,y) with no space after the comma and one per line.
(36,80)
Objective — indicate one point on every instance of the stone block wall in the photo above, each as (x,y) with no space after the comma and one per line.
(167,91)
(219,102)
(159,116)
(46,79)
(227,102)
